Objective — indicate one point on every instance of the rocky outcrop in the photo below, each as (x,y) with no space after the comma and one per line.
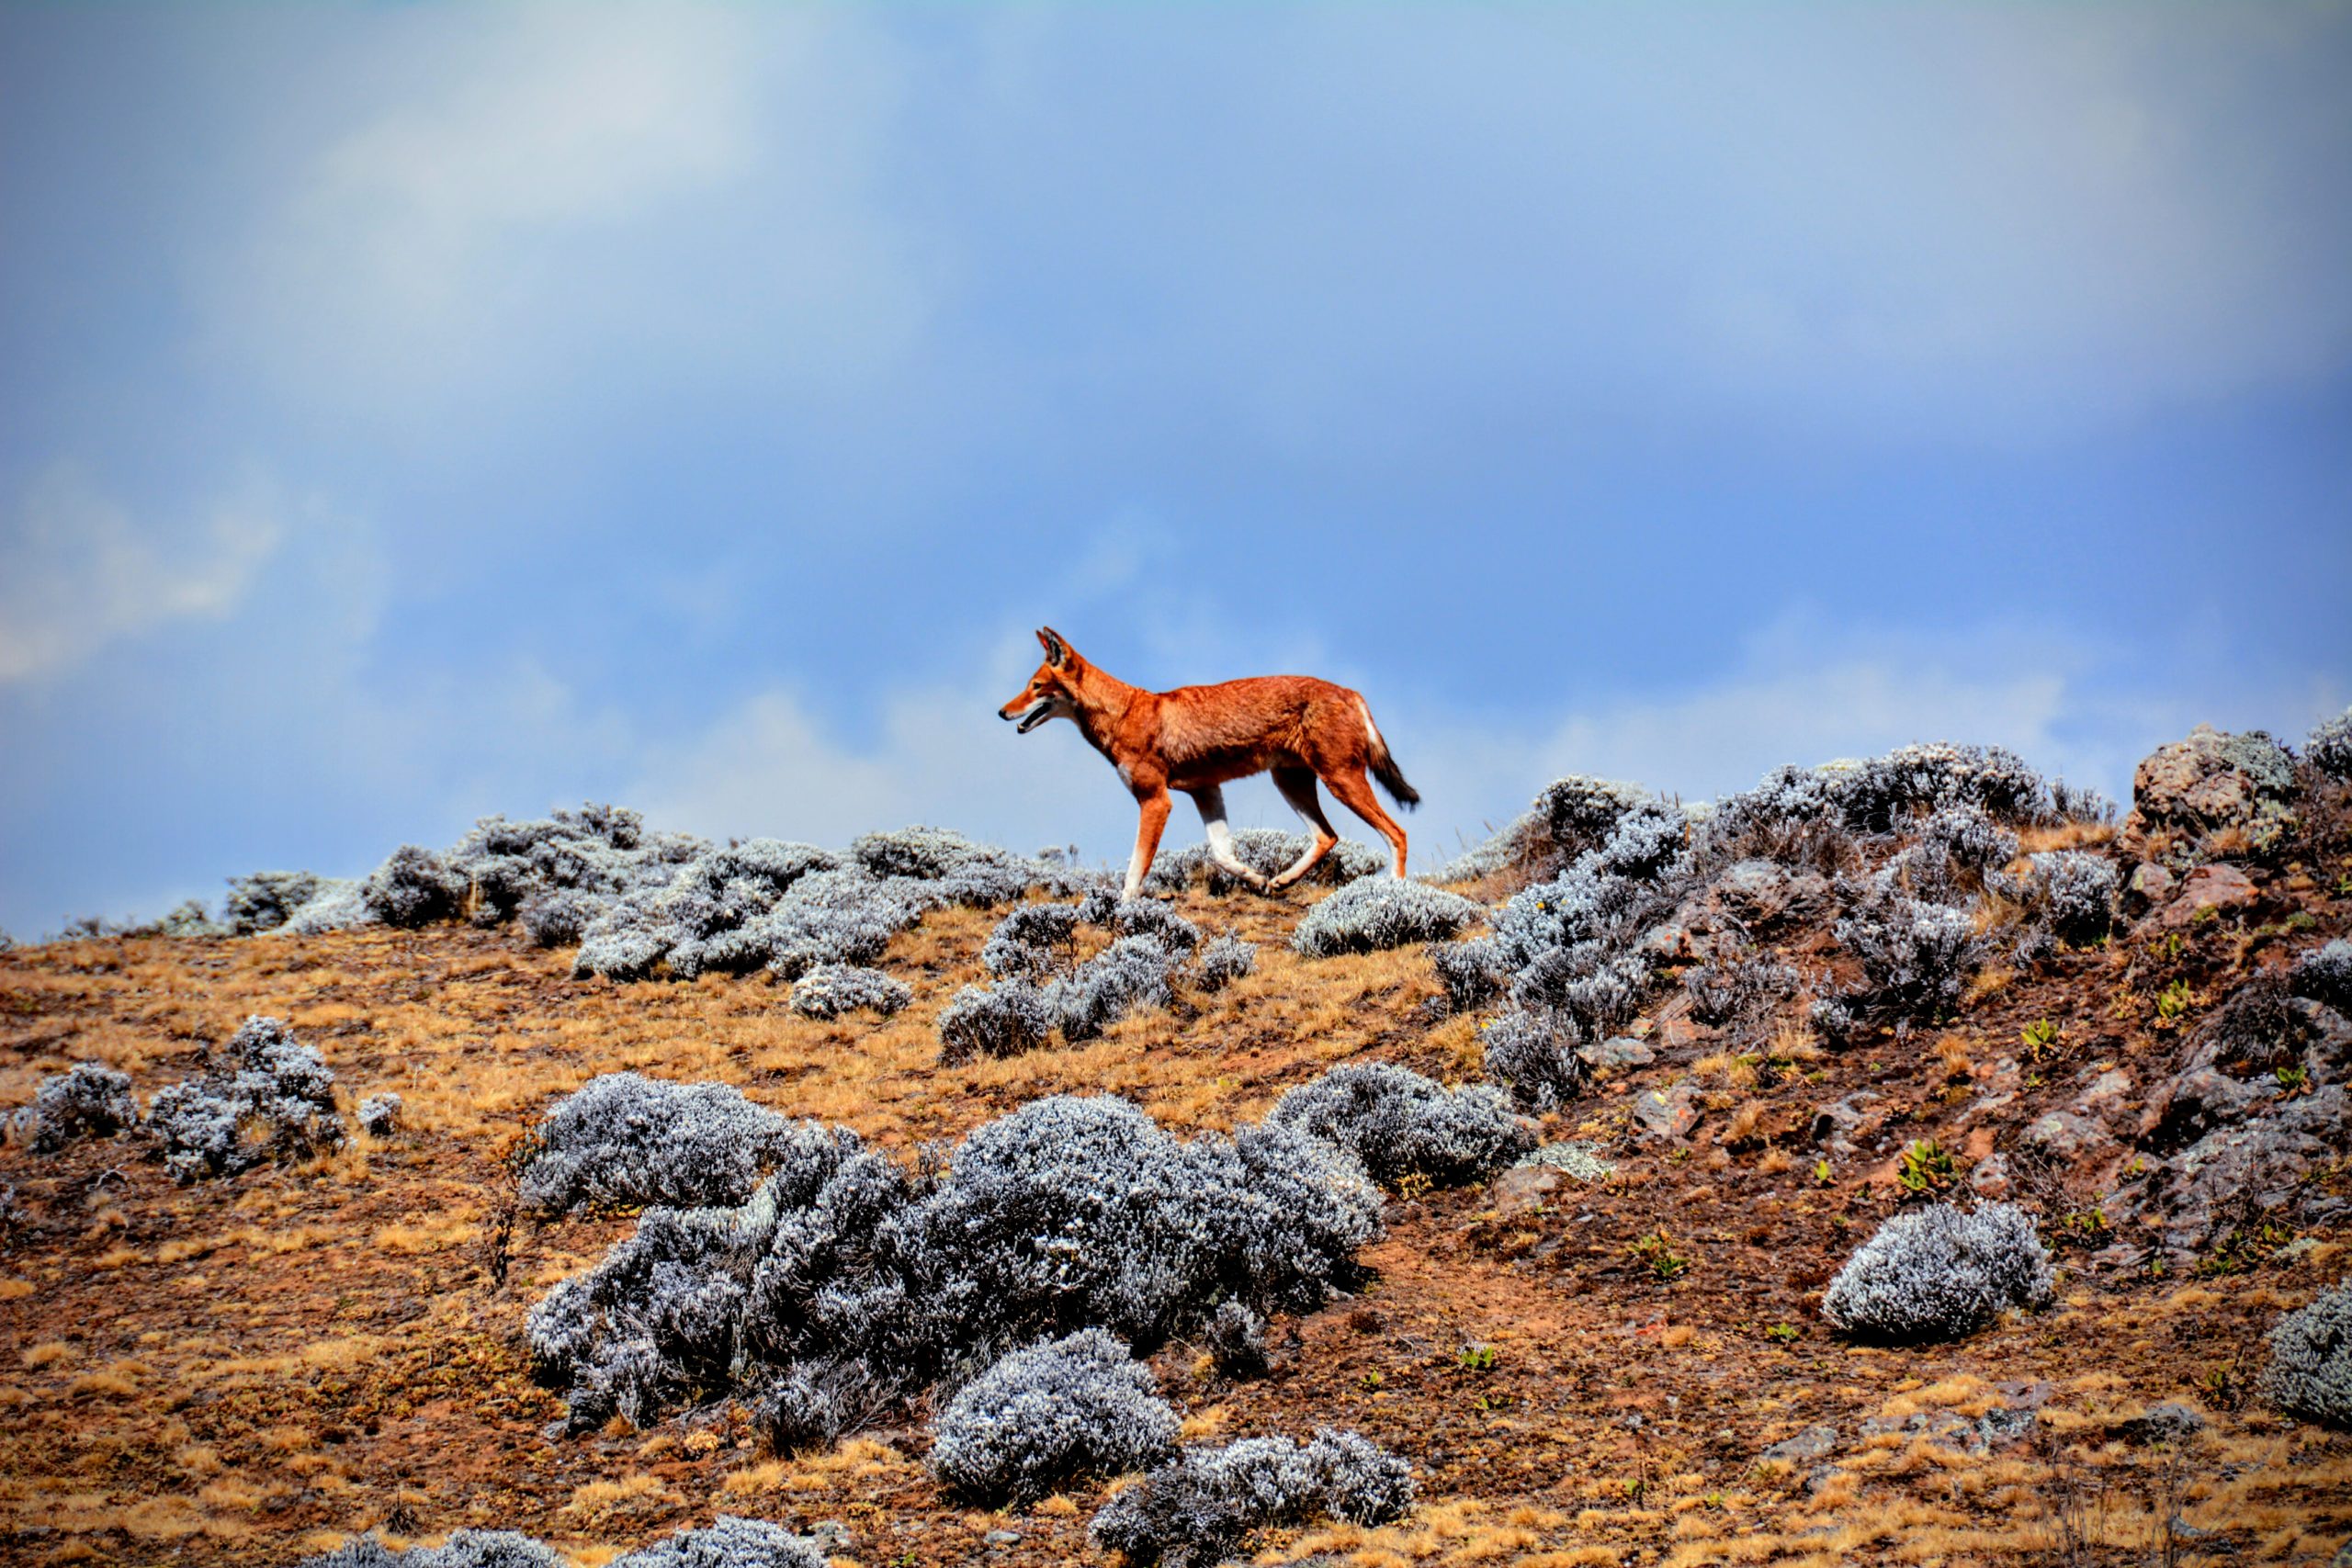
(2213,794)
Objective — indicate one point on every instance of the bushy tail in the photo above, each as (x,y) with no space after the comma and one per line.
(1385,768)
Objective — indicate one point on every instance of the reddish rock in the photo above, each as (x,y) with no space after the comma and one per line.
(2208,887)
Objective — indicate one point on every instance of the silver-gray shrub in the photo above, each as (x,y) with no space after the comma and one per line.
(831,989)
(2072,894)
(621,1139)
(961,871)
(1881,793)
(561,918)
(1133,972)
(1266,851)
(1568,817)
(1915,956)
(1149,916)
(2310,1371)
(1032,941)
(263,1096)
(727,1543)
(1958,847)
(1938,1273)
(1003,1019)
(828,1305)
(336,906)
(2325,975)
(1738,989)
(89,1099)
(1236,1339)
(2328,748)
(1196,1511)
(1528,1052)
(268,899)
(1375,914)
(1064,1410)
(1399,1123)
(1223,960)
(380,1115)
(414,887)
(1471,971)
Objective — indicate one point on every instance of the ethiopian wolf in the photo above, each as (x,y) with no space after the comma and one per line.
(1197,738)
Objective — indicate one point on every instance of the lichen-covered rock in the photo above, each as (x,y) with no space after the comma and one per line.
(1062,1411)
(2237,789)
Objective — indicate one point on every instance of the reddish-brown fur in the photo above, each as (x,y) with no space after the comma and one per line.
(1196,739)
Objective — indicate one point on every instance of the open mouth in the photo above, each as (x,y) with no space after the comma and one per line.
(1038,714)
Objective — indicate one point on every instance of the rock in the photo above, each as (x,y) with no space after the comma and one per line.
(1522,1190)
(2261,1160)
(2150,885)
(2067,1137)
(2165,1423)
(1617,1051)
(1812,1443)
(1667,1113)
(1990,1179)
(2207,888)
(2105,1097)
(1840,1125)
(833,1534)
(1997,1429)
(1760,892)
(1003,1538)
(2184,794)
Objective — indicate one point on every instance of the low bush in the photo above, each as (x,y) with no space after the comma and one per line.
(2310,1371)
(1374,915)
(1236,1337)
(1221,961)
(1149,916)
(2328,748)
(620,1139)
(1133,972)
(1528,1054)
(1066,1410)
(831,989)
(268,899)
(2325,975)
(336,906)
(380,1115)
(1957,849)
(1032,941)
(1003,1019)
(1470,970)
(414,887)
(1196,1512)
(1571,817)
(89,1099)
(1740,989)
(2072,894)
(725,1542)
(1915,956)
(828,1306)
(264,1096)
(1267,851)
(560,918)
(1937,1273)
(1398,1124)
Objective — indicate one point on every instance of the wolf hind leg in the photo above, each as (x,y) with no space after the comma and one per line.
(1297,785)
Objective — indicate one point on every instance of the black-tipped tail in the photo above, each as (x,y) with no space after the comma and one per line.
(1392,779)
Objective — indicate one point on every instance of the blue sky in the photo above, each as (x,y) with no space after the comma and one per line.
(416,412)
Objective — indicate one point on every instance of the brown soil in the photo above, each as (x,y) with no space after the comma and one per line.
(247,1370)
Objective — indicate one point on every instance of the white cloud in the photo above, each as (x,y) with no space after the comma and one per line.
(78,572)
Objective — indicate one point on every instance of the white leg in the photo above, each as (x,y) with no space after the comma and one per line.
(1136,869)
(1212,803)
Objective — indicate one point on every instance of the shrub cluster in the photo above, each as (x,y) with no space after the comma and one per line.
(1397,1123)
(621,1139)
(380,1115)
(1570,817)
(89,1099)
(1040,990)
(725,1542)
(268,899)
(1916,957)
(1003,1019)
(1196,1512)
(414,887)
(1061,1411)
(1375,914)
(1937,1273)
(1957,849)
(831,989)
(1267,851)
(2328,748)
(2310,1372)
(264,1096)
(1221,961)
(1738,989)
(1236,1337)
(2070,894)
(2325,975)
(841,1287)
(1527,1052)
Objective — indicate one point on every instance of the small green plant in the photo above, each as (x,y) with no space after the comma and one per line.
(2084,1228)
(1656,1252)
(1926,1169)
(2294,1080)
(1784,1334)
(2243,1248)
(1370,1383)
(1476,1357)
(1677,1157)
(1414,1186)
(2174,1001)
(1821,1171)
(2039,1036)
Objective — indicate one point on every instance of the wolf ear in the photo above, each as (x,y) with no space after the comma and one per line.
(1056,650)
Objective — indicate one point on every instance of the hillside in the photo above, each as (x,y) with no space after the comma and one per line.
(1766,1028)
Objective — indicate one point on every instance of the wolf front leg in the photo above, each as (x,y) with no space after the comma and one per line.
(1210,800)
(1155,805)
